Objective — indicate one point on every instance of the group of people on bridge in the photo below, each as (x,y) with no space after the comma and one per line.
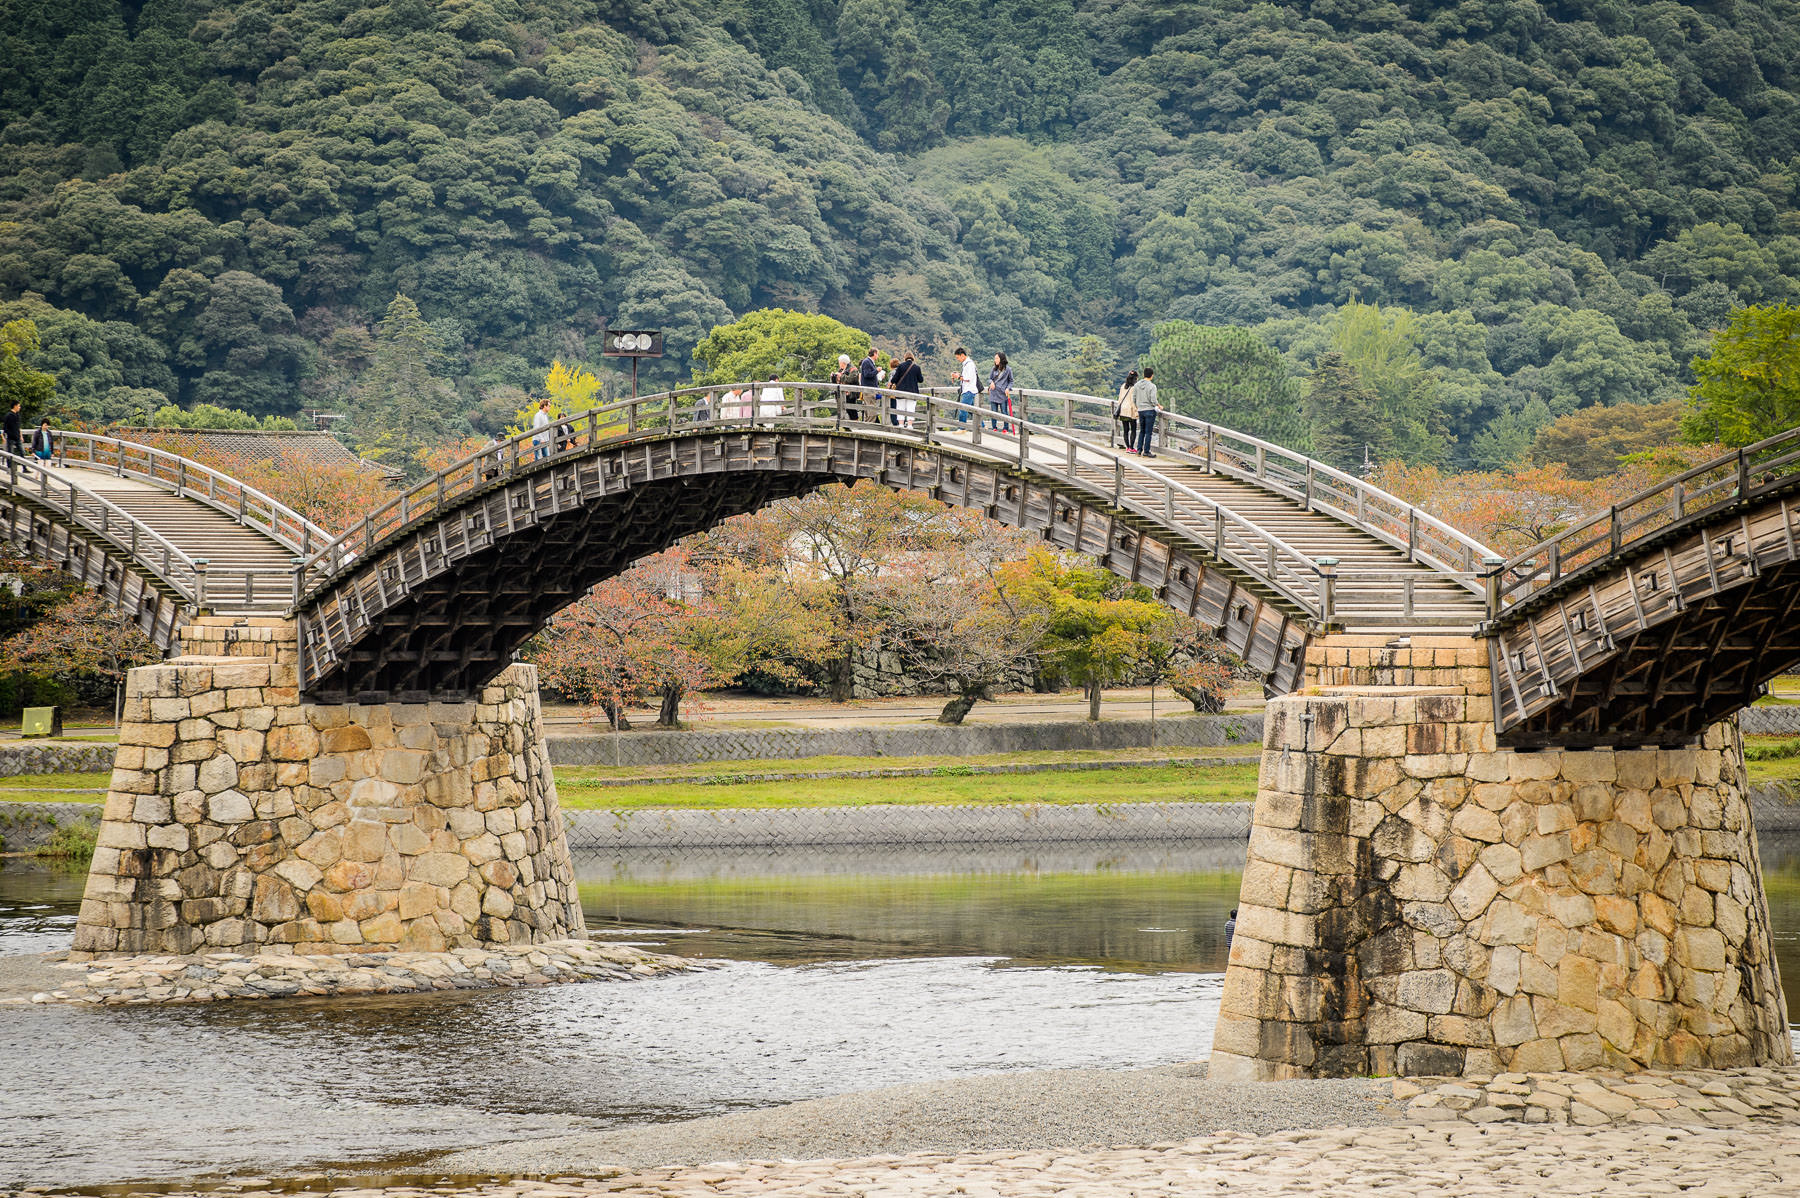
(43,441)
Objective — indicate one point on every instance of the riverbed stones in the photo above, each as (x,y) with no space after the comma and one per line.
(216,977)
(1419,900)
(273,823)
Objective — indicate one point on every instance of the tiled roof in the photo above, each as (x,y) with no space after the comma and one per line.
(256,445)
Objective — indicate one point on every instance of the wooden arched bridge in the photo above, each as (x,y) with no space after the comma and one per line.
(1641,625)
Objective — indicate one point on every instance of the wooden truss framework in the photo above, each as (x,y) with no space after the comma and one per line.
(440,606)
(102,563)
(1653,645)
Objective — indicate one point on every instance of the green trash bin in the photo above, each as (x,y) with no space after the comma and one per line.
(42,721)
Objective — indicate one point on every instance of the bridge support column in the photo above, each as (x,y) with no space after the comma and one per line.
(1418,901)
(240,818)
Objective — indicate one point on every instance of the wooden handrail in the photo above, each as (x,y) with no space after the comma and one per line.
(1724,481)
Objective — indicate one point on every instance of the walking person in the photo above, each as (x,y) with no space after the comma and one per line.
(1147,408)
(968,386)
(772,400)
(908,377)
(43,442)
(540,431)
(1125,411)
(1000,386)
(1230,928)
(869,375)
(15,445)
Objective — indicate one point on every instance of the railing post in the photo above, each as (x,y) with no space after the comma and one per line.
(1678,499)
(1022,446)
(1412,534)
(1212,437)
(1555,560)
(1406,601)
(1743,475)
(1490,574)
(299,580)
(200,564)
(930,402)
(1617,537)
(1261,462)
(1069,415)
(1118,482)
(1327,567)
(1309,484)
(840,406)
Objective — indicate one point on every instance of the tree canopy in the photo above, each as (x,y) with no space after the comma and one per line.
(1552,206)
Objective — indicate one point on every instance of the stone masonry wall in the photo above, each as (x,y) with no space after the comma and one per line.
(241,818)
(1417,900)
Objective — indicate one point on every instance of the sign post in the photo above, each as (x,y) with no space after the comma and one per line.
(633,344)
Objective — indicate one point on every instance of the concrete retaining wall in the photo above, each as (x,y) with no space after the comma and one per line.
(930,740)
(54,759)
(1769,721)
(26,826)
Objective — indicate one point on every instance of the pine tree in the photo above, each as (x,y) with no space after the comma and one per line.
(1344,416)
(403,407)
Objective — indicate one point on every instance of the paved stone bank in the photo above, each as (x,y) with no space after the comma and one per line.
(967,740)
(882,823)
(16,759)
(1426,1161)
(1708,1098)
(212,977)
(919,771)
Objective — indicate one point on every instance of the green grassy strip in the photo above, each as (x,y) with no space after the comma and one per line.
(1143,784)
(98,779)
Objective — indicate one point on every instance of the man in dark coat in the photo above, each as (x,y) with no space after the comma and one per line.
(869,375)
(907,377)
(15,440)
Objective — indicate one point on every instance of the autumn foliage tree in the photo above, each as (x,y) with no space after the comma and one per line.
(1098,627)
(83,635)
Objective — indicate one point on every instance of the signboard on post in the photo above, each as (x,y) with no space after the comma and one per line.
(633,344)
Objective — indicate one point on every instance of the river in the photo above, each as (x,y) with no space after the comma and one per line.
(841,971)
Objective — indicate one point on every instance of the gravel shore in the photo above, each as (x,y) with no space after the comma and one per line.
(1061,1108)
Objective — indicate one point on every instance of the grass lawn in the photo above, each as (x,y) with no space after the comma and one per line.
(1133,784)
(45,788)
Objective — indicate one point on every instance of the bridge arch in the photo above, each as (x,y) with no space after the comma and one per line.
(430,597)
(1658,617)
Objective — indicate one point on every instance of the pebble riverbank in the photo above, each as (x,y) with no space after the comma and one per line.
(1418,1161)
(213,977)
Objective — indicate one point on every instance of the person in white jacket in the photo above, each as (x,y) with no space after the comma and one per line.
(771,401)
(540,425)
(1126,410)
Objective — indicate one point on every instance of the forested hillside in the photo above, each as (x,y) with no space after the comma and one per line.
(217,202)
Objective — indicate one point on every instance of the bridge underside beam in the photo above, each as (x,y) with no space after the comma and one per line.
(439,611)
(1666,685)
(1655,649)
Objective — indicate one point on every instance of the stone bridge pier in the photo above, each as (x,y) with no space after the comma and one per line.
(243,818)
(1419,900)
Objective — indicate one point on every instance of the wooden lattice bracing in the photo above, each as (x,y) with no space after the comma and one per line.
(1654,646)
(439,608)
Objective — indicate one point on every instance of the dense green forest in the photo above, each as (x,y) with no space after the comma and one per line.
(1550,203)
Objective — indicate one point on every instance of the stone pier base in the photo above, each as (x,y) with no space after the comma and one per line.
(1418,901)
(241,818)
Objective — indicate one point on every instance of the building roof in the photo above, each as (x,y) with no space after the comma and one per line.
(303,447)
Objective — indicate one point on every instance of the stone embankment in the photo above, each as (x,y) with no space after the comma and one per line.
(212,977)
(1707,1098)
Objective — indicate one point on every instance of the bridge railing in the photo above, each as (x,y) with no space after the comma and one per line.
(1072,455)
(1740,476)
(196,582)
(1308,482)
(191,480)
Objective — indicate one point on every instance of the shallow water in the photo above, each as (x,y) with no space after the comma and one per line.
(842,971)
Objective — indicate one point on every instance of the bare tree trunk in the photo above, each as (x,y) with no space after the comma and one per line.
(1093,698)
(615,715)
(956,709)
(840,680)
(668,715)
(1206,701)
